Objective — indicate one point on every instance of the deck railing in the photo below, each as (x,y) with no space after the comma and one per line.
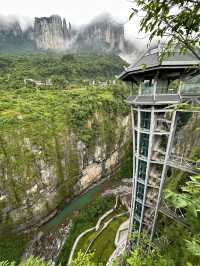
(158,90)
(184,88)
(190,88)
(184,162)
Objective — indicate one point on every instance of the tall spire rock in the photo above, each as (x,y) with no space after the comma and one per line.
(49,33)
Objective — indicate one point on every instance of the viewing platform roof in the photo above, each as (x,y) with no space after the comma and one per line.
(150,62)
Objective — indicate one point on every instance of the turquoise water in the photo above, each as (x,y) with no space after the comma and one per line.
(76,204)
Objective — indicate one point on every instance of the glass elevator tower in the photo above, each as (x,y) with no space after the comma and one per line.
(161,86)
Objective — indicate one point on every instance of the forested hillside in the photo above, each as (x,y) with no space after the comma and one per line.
(56,140)
(63,70)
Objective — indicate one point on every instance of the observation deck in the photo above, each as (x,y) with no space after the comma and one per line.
(187,92)
(157,87)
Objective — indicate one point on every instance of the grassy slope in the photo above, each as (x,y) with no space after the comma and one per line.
(84,241)
(104,244)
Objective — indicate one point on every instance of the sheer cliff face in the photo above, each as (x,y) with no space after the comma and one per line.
(39,188)
(103,34)
(51,33)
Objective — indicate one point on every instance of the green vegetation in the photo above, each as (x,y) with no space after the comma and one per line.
(140,257)
(11,249)
(104,241)
(83,259)
(84,112)
(185,249)
(104,246)
(63,70)
(40,126)
(30,262)
(85,219)
(177,20)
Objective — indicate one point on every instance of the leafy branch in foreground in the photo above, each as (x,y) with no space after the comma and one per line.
(177,21)
(189,200)
(83,259)
(30,262)
(147,254)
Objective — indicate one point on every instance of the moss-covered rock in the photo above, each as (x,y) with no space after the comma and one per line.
(54,145)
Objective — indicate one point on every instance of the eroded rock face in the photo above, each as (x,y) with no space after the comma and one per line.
(190,132)
(51,32)
(102,34)
(73,168)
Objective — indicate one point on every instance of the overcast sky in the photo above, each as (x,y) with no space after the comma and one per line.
(76,11)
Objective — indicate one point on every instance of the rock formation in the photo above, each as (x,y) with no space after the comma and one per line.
(101,35)
(51,33)
(38,197)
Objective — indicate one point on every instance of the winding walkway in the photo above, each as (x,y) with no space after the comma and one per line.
(103,228)
(96,228)
(76,242)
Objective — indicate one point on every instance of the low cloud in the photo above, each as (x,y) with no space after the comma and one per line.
(25,22)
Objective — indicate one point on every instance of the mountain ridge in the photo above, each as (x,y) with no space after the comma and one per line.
(103,34)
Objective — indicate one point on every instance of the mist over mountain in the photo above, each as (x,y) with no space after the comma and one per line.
(101,35)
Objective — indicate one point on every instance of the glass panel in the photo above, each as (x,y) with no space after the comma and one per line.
(135,141)
(144,143)
(140,191)
(191,86)
(147,86)
(167,86)
(138,209)
(136,225)
(136,119)
(145,120)
(173,86)
(142,169)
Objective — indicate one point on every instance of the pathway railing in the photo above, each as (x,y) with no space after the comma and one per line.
(184,163)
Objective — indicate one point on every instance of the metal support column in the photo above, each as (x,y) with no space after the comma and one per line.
(165,168)
(148,167)
(135,173)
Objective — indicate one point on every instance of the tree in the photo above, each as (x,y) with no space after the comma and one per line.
(153,257)
(177,20)
(83,259)
(29,262)
(189,200)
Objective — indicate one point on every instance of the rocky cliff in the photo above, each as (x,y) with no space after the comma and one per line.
(52,33)
(38,200)
(56,151)
(101,35)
